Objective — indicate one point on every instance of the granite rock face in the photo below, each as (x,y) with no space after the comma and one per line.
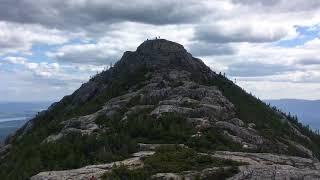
(166,91)
(270,166)
(174,86)
(96,171)
(259,166)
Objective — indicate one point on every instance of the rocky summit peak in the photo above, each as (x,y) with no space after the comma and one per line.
(161,55)
(161,94)
(160,45)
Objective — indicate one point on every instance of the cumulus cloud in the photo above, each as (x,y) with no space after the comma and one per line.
(257,2)
(265,89)
(281,5)
(310,61)
(86,54)
(24,86)
(20,37)
(232,31)
(208,49)
(30,81)
(248,69)
(71,14)
(43,69)
(76,39)
(110,47)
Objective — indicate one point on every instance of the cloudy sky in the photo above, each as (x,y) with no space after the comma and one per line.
(49,47)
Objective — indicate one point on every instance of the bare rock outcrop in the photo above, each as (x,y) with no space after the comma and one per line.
(190,175)
(271,166)
(259,166)
(96,171)
(277,172)
(175,82)
(83,125)
(248,135)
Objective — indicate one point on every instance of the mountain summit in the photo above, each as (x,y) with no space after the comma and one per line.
(162,54)
(160,113)
(160,45)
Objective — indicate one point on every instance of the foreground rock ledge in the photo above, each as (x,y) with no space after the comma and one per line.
(97,171)
(260,166)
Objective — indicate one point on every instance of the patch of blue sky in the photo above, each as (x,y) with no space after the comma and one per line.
(5,67)
(13,54)
(305,34)
(39,51)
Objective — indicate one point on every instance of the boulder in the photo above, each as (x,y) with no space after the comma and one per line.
(248,135)
(237,122)
(277,172)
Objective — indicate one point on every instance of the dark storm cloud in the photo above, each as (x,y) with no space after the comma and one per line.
(261,2)
(255,69)
(210,49)
(218,34)
(87,57)
(281,5)
(309,61)
(62,13)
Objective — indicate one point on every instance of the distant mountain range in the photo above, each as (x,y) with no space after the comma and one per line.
(308,111)
(14,114)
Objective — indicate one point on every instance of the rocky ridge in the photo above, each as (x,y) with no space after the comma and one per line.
(260,166)
(175,82)
(175,90)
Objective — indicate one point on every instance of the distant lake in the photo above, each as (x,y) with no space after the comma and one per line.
(14,115)
(14,119)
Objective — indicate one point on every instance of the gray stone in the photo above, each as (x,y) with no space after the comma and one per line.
(97,171)
(275,172)
(246,134)
(251,125)
(200,123)
(267,159)
(84,125)
(170,109)
(237,122)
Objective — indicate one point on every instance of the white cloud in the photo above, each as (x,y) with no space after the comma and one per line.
(29,81)
(24,86)
(112,44)
(88,35)
(79,14)
(279,90)
(86,54)
(239,31)
(41,69)
(20,37)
